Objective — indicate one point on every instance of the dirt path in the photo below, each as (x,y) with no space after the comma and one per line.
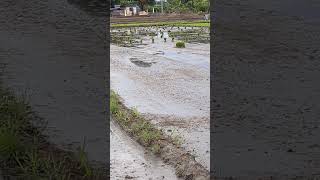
(53,51)
(266,105)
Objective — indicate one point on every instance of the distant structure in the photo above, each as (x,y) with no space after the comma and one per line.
(131,10)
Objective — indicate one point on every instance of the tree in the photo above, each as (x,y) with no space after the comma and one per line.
(143,4)
(201,5)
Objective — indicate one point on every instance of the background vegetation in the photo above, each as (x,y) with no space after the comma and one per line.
(171,6)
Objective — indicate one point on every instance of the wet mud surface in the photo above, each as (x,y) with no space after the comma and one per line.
(173,93)
(265,104)
(129,160)
(55,53)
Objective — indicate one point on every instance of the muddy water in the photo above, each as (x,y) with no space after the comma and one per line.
(173,93)
(54,52)
(130,160)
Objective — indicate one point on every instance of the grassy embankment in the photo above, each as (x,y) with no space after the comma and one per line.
(167,147)
(132,122)
(26,154)
(175,23)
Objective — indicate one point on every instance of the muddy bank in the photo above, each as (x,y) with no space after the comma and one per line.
(128,159)
(265,106)
(53,52)
(156,141)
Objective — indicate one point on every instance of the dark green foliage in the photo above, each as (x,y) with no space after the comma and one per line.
(180,44)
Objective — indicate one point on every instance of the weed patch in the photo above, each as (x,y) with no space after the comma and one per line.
(132,121)
(180,44)
(145,133)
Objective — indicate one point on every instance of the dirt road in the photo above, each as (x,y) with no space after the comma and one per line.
(56,53)
(266,92)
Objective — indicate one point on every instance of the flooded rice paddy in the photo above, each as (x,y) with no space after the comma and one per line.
(137,36)
(170,86)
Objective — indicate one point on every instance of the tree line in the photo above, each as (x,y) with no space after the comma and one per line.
(170,6)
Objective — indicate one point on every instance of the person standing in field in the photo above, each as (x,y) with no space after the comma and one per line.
(205,17)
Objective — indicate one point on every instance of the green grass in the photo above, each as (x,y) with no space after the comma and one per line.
(176,23)
(25,152)
(180,44)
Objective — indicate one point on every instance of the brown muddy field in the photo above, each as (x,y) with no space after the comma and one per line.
(265,106)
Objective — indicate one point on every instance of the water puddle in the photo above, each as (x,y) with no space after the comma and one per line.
(141,63)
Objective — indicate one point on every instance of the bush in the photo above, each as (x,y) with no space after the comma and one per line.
(180,45)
